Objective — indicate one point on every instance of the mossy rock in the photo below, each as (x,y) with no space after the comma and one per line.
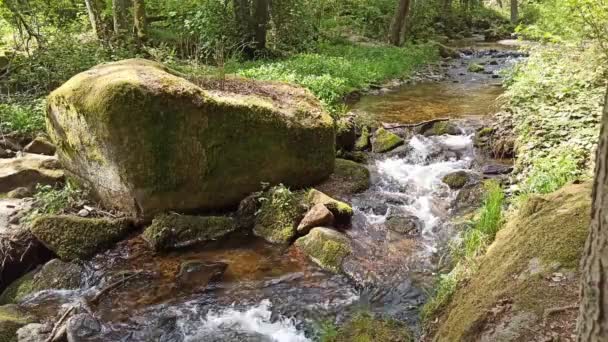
(54,275)
(365,327)
(326,247)
(12,318)
(346,133)
(341,210)
(456,180)
(546,235)
(72,237)
(446,51)
(442,128)
(364,141)
(356,156)
(279,215)
(150,141)
(385,141)
(173,231)
(475,67)
(348,178)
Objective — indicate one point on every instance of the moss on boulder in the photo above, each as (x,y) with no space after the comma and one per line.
(72,237)
(532,266)
(326,247)
(385,141)
(348,178)
(364,327)
(363,142)
(172,231)
(54,275)
(11,319)
(279,215)
(150,141)
(442,128)
(342,211)
(456,180)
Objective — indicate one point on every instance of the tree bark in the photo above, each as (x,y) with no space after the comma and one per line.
(139,19)
(119,15)
(94,11)
(399,20)
(514,12)
(260,19)
(593,315)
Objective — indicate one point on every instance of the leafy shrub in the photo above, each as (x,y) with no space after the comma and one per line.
(50,200)
(23,116)
(550,173)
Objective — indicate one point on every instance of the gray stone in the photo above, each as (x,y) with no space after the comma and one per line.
(40,145)
(317,216)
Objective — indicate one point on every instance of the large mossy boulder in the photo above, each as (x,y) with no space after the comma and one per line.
(72,237)
(150,141)
(278,217)
(326,247)
(54,275)
(172,231)
(12,317)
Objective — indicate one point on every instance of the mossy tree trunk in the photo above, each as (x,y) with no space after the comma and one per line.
(514,11)
(593,315)
(119,16)
(94,11)
(261,18)
(139,19)
(399,20)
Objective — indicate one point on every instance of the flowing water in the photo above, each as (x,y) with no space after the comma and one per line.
(267,293)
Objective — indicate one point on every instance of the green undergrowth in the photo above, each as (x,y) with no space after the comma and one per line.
(334,71)
(474,241)
(49,200)
(24,116)
(365,327)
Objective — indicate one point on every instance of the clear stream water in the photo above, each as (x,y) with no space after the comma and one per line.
(269,293)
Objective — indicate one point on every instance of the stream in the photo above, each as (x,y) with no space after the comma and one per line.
(269,293)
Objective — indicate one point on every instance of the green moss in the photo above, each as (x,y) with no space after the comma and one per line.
(456,180)
(340,209)
(326,247)
(279,215)
(385,141)
(551,233)
(442,128)
(484,132)
(72,237)
(171,231)
(363,142)
(365,327)
(356,156)
(474,67)
(348,178)
(11,319)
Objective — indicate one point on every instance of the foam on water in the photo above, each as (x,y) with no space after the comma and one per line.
(257,320)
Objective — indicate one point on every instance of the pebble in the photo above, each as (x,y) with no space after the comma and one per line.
(84,213)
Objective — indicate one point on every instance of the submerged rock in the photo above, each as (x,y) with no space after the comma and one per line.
(40,145)
(27,171)
(172,231)
(342,211)
(198,274)
(317,216)
(406,224)
(150,141)
(279,215)
(73,237)
(326,247)
(348,178)
(54,275)
(12,318)
(385,141)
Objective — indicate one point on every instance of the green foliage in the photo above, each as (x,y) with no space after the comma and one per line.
(365,327)
(550,173)
(23,116)
(442,294)
(55,200)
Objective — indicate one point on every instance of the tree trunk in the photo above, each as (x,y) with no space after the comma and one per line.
(398,23)
(139,19)
(514,12)
(500,4)
(94,11)
(242,13)
(593,315)
(119,15)
(260,19)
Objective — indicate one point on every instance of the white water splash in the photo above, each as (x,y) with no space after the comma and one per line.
(258,320)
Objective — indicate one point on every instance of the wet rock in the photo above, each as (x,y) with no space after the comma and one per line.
(10,143)
(364,141)
(245,214)
(447,52)
(73,237)
(356,156)
(475,67)
(196,149)
(440,128)
(83,328)
(40,145)
(400,152)
(173,231)
(326,247)
(496,169)
(469,197)
(54,275)
(385,141)
(346,135)
(20,192)
(342,211)
(6,153)
(22,252)
(198,274)
(12,318)
(317,216)
(279,215)
(407,224)
(456,180)
(348,178)
(34,332)
(376,207)
(28,171)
